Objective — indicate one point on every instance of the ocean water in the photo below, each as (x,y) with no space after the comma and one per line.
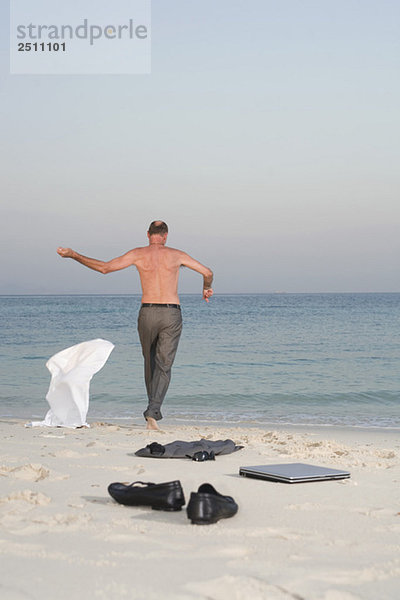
(302,359)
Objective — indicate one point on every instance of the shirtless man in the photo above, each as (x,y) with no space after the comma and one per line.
(160,320)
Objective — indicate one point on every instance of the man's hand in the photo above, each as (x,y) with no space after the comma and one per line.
(207,293)
(65,252)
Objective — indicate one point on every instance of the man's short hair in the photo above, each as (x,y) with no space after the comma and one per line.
(158,228)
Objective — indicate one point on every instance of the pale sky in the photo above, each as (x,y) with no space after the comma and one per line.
(266,136)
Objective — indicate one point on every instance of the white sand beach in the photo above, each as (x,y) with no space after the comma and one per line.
(62,536)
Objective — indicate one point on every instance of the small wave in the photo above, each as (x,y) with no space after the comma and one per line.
(368,408)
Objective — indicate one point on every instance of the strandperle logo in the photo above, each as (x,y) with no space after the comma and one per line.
(84,31)
(80,37)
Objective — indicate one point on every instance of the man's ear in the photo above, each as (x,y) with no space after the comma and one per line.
(148,235)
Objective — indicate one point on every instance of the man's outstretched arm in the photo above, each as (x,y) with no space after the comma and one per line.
(116,264)
(195,265)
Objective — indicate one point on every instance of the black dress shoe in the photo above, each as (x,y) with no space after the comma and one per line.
(208,506)
(160,496)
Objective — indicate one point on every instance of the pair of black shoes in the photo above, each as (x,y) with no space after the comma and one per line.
(205,506)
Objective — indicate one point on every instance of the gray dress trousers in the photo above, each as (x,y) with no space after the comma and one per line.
(159,328)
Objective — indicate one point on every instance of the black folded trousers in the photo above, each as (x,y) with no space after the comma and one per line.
(159,329)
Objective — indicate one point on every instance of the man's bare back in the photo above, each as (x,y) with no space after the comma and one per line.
(158,268)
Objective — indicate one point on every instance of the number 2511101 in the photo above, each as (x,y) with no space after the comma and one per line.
(41,47)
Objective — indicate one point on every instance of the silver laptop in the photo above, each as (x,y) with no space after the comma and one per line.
(293,473)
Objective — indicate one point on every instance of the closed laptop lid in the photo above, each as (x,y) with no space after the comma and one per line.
(293,472)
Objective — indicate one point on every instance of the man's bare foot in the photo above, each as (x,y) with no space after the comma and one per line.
(152,424)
